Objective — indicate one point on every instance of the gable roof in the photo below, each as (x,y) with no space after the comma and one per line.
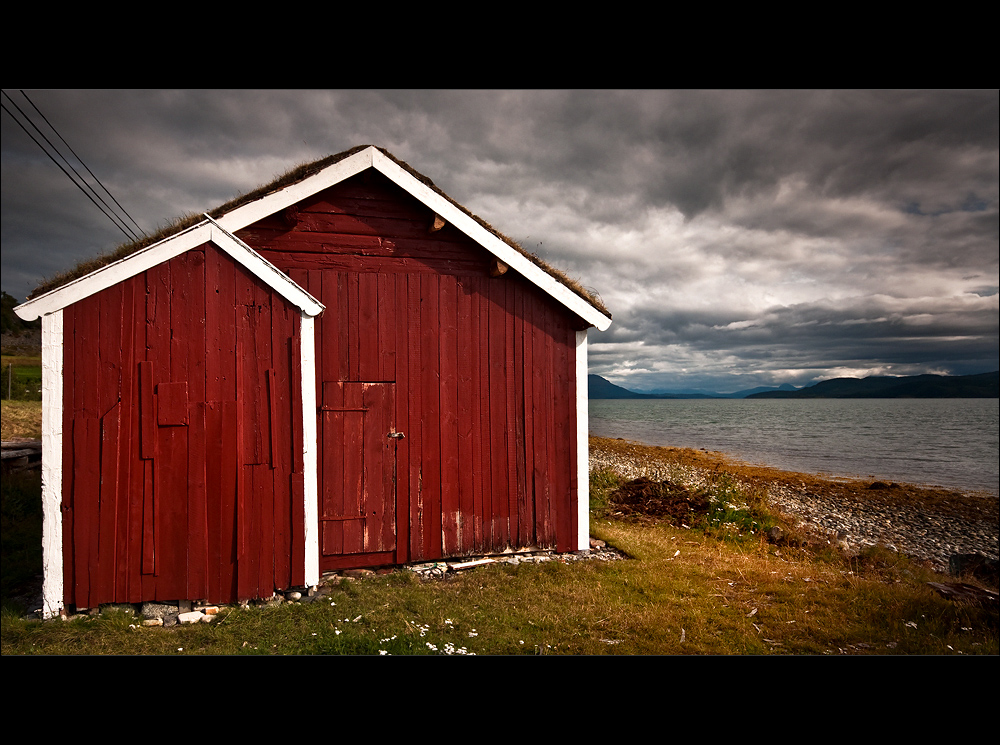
(295,186)
(207,231)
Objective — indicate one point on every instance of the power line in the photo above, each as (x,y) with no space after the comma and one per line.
(124,211)
(86,188)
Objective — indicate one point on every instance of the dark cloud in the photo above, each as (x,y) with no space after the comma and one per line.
(776,234)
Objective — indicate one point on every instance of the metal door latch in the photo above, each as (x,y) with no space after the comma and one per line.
(396,435)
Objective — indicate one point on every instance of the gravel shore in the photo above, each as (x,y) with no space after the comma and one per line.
(931,524)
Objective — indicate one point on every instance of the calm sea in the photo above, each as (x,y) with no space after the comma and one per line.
(943,441)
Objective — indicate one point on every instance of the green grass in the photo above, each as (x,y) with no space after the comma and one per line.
(709,589)
(21,378)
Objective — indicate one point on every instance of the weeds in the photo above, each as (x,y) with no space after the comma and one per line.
(735,511)
(712,588)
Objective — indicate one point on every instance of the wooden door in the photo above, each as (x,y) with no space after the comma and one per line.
(358,490)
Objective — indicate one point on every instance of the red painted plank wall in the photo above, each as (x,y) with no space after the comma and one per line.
(180,408)
(483,369)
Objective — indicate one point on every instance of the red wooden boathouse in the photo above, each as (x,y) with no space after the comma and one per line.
(342,369)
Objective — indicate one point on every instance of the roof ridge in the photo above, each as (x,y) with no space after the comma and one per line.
(294,175)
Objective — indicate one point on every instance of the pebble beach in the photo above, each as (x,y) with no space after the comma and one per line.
(927,523)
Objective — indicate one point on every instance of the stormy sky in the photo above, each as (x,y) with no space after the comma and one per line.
(739,238)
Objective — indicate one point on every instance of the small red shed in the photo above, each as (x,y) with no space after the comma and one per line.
(342,369)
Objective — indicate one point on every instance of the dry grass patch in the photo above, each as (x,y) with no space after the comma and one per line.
(21,420)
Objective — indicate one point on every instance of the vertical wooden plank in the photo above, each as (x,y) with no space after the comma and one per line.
(197,537)
(333,454)
(281,436)
(541,420)
(214,526)
(450,508)
(147,417)
(430,425)
(272,416)
(171,512)
(528,367)
(86,444)
(216,319)
(295,379)
(127,404)
(509,398)
(354,331)
(368,328)
(566,539)
(402,421)
(298,549)
(109,308)
(149,523)
(387,447)
(157,315)
(248,390)
(387,326)
(499,507)
(264,475)
(87,447)
(255,566)
(328,329)
(484,505)
(221,326)
(231,467)
(562,449)
(523,533)
(415,434)
(182,334)
(109,495)
(264,535)
(354,468)
(136,495)
(341,321)
(371,503)
(467,466)
(68,450)
(196,317)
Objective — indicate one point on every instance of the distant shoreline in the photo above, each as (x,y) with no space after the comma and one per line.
(983,385)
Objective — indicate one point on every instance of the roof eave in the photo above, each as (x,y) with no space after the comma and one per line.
(372,157)
(207,231)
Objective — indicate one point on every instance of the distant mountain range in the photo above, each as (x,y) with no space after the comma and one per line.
(986,385)
(602,388)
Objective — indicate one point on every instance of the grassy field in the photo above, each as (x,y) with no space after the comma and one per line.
(714,588)
(21,378)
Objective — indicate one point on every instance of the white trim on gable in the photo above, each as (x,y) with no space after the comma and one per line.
(207,231)
(223,229)
(514,259)
(372,157)
(251,212)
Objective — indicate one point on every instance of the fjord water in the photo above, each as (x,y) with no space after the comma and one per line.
(947,442)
